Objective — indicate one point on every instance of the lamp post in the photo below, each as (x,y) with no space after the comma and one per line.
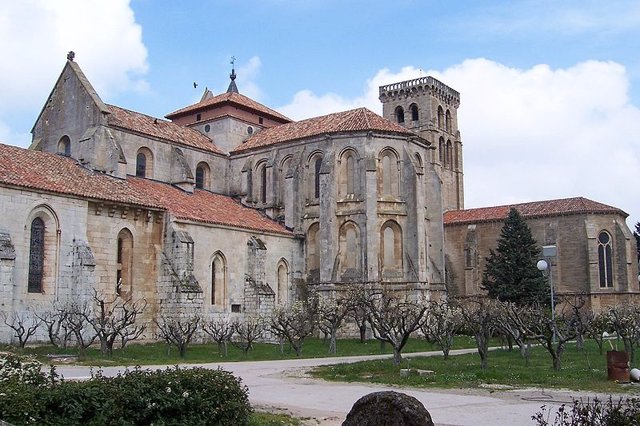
(548,252)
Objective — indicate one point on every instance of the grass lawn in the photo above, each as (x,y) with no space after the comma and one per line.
(260,418)
(581,370)
(160,353)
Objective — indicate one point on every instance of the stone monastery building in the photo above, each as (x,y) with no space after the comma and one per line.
(231,207)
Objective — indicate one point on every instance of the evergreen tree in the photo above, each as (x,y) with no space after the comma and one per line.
(636,234)
(511,273)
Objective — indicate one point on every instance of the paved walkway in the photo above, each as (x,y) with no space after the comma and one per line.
(283,386)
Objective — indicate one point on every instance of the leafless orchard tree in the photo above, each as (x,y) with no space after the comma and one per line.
(57,324)
(77,317)
(536,322)
(598,326)
(505,324)
(357,297)
(178,331)
(393,318)
(221,331)
(441,322)
(24,325)
(479,318)
(294,323)
(332,312)
(625,321)
(247,331)
(113,318)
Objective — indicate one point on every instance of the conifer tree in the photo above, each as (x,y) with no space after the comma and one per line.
(511,274)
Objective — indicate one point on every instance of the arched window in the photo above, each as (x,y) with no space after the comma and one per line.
(418,160)
(202,176)
(448,121)
(124,263)
(441,149)
(448,159)
(348,177)
(218,279)
(605,261)
(315,165)
(282,175)
(313,249)
(36,256)
(144,163)
(389,176)
(414,112)
(283,283)
(391,246)
(440,117)
(350,251)
(456,156)
(399,114)
(64,146)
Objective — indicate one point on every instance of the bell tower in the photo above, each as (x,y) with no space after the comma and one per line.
(429,108)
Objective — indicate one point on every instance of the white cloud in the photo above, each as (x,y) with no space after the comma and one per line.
(247,74)
(530,134)
(35,36)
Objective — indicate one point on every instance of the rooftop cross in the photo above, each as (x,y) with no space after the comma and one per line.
(232,86)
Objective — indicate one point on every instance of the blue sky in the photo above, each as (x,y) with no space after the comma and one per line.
(550,89)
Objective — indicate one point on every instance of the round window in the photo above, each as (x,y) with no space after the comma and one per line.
(207,128)
(249,130)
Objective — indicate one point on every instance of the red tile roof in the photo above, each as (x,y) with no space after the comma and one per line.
(355,120)
(159,128)
(43,171)
(231,98)
(535,209)
(206,207)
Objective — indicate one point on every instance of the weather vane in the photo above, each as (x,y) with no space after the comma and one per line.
(233,61)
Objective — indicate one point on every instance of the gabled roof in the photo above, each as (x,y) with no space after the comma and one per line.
(232,98)
(159,128)
(86,84)
(53,173)
(535,209)
(355,120)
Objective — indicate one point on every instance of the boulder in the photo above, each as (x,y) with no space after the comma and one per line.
(388,408)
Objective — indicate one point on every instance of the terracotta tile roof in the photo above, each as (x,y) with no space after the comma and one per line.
(205,207)
(535,209)
(231,98)
(43,171)
(355,120)
(159,128)
(62,175)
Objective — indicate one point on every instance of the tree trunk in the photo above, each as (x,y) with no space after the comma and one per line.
(332,343)
(363,333)
(397,356)
(445,352)
(183,349)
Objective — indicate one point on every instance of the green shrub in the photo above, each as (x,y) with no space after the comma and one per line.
(138,397)
(620,412)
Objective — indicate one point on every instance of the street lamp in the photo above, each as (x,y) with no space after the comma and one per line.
(548,252)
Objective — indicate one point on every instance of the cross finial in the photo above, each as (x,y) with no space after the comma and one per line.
(233,61)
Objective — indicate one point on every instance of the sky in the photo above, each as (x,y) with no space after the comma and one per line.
(550,90)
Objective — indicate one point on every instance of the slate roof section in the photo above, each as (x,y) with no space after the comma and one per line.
(159,128)
(233,98)
(535,209)
(53,173)
(355,120)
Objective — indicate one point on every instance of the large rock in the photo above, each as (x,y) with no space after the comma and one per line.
(388,409)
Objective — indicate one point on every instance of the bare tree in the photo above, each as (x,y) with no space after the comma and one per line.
(221,331)
(294,323)
(479,318)
(332,312)
(115,318)
(77,319)
(552,332)
(505,324)
(441,322)
(598,326)
(178,331)
(57,324)
(393,317)
(247,331)
(357,298)
(24,325)
(625,321)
